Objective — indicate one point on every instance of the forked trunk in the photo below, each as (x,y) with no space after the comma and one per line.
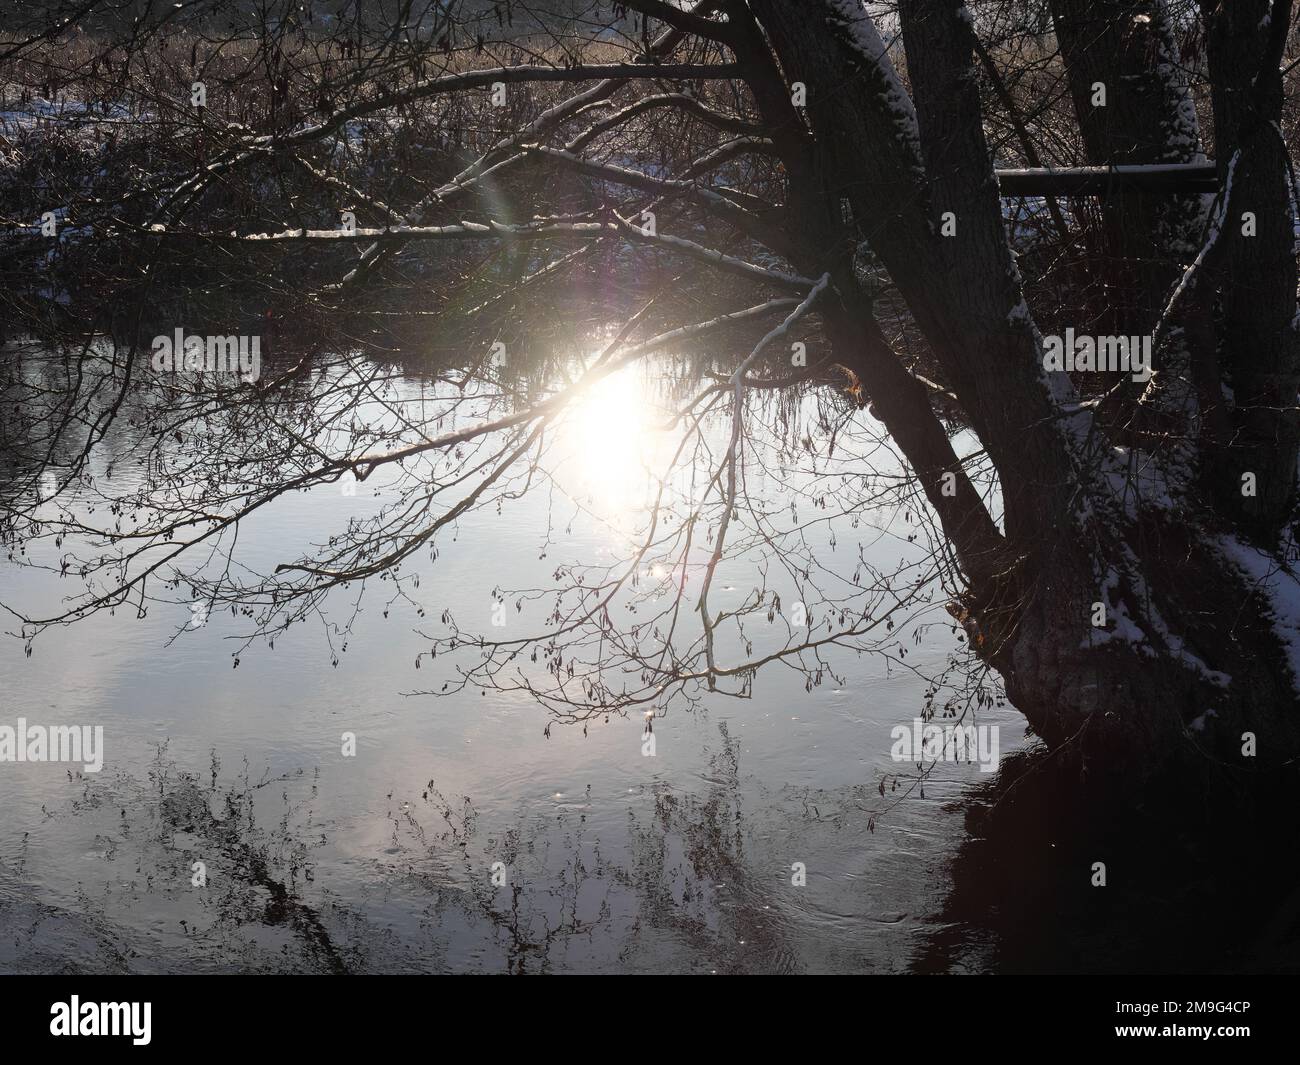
(1136,601)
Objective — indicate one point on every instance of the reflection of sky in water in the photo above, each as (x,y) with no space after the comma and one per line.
(678,862)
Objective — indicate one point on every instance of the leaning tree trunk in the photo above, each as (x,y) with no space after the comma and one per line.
(1193,646)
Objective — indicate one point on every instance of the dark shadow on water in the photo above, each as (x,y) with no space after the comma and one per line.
(1192,885)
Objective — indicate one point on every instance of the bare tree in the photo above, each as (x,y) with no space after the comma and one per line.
(822,173)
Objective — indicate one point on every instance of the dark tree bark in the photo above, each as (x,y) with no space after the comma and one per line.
(1126,50)
(1168,676)
(1255,283)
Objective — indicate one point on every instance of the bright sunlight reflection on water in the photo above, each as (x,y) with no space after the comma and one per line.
(616,445)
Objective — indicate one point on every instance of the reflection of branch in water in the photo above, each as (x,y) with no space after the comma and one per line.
(697,877)
(714,838)
(165,824)
(683,873)
(448,855)
(42,938)
(186,805)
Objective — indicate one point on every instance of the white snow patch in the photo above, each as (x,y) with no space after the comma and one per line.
(1121,628)
(1280,588)
(853,16)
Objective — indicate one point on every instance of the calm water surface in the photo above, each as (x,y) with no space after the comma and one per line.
(382,862)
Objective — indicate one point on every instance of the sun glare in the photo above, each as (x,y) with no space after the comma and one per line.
(616,448)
